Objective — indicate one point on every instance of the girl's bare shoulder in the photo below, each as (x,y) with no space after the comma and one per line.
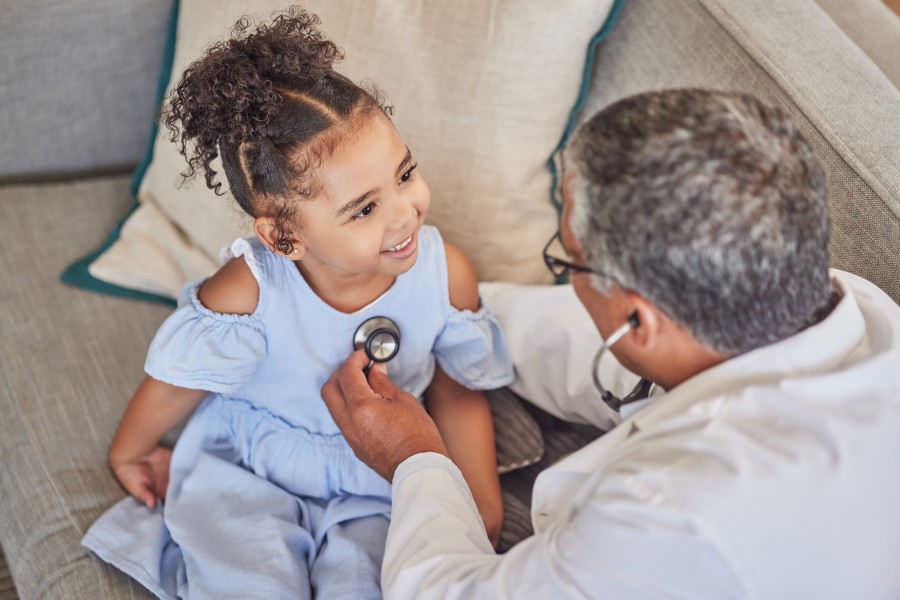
(462,279)
(232,290)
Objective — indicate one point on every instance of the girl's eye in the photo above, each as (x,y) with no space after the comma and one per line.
(408,175)
(365,212)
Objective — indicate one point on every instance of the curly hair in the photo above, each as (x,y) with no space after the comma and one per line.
(269,101)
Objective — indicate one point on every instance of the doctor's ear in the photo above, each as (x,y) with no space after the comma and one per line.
(646,321)
(276,239)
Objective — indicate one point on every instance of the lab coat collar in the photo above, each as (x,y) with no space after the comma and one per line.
(632,408)
(816,349)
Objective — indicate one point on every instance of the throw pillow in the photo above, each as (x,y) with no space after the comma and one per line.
(483,92)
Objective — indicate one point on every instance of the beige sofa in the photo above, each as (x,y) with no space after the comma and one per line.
(75,103)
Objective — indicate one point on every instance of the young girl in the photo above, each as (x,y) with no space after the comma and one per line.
(262,496)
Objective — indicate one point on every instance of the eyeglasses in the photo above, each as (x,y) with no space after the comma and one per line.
(559,266)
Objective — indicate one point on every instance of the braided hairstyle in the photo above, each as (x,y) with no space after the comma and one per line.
(270,103)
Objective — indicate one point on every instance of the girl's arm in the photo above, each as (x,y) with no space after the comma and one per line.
(463,416)
(140,464)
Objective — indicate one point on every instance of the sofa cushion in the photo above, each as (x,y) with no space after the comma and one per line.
(482,93)
(69,362)
(873,27)
(518,437)
(76,93)
(7,588)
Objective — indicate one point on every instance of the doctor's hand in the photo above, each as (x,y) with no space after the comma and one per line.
(383,424)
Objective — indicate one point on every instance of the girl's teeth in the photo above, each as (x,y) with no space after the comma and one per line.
(401,245)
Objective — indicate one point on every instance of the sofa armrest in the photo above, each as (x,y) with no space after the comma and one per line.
(793,55)
(873,27)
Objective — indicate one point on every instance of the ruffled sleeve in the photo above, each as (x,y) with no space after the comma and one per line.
(472,350)
(200,349)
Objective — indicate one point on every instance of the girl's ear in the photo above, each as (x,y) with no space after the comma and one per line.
(268,233)
(650,321)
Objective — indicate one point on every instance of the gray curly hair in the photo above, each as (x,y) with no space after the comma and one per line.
(710,205)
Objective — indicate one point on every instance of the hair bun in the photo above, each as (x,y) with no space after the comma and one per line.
(229,95)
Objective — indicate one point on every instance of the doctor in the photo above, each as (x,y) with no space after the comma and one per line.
(766,461)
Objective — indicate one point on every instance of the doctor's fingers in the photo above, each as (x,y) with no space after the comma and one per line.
(346,383)
(355,363)
(384,387)
(335,401)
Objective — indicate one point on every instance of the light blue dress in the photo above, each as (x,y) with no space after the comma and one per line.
(265,498)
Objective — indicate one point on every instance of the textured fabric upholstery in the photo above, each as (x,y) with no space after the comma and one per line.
(873,27)
(794,56)
(7,587)
(69,362)
(78,84)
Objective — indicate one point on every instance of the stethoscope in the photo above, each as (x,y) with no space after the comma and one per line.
(640,391)
(380,338)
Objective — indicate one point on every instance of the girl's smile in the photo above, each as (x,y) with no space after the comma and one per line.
(404,249)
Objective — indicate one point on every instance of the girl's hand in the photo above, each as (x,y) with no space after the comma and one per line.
(141,465)
(146,477)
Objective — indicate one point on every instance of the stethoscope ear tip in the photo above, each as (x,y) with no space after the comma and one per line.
(641,390)
(633,320)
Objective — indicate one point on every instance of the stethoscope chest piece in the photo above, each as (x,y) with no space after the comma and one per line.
(379,337)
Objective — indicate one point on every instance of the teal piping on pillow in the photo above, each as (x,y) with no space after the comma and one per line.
(582,97)
(77,273)
(555,156)
(165,74)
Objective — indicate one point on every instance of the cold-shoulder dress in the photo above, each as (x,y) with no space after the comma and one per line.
(266,499)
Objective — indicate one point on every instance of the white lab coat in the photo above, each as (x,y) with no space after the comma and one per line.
(773,475)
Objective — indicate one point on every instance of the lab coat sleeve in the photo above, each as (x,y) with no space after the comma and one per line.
(615,547)
(436,546)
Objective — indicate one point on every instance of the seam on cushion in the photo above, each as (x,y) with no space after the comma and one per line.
(793,92)
(35,447)
(32,440)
